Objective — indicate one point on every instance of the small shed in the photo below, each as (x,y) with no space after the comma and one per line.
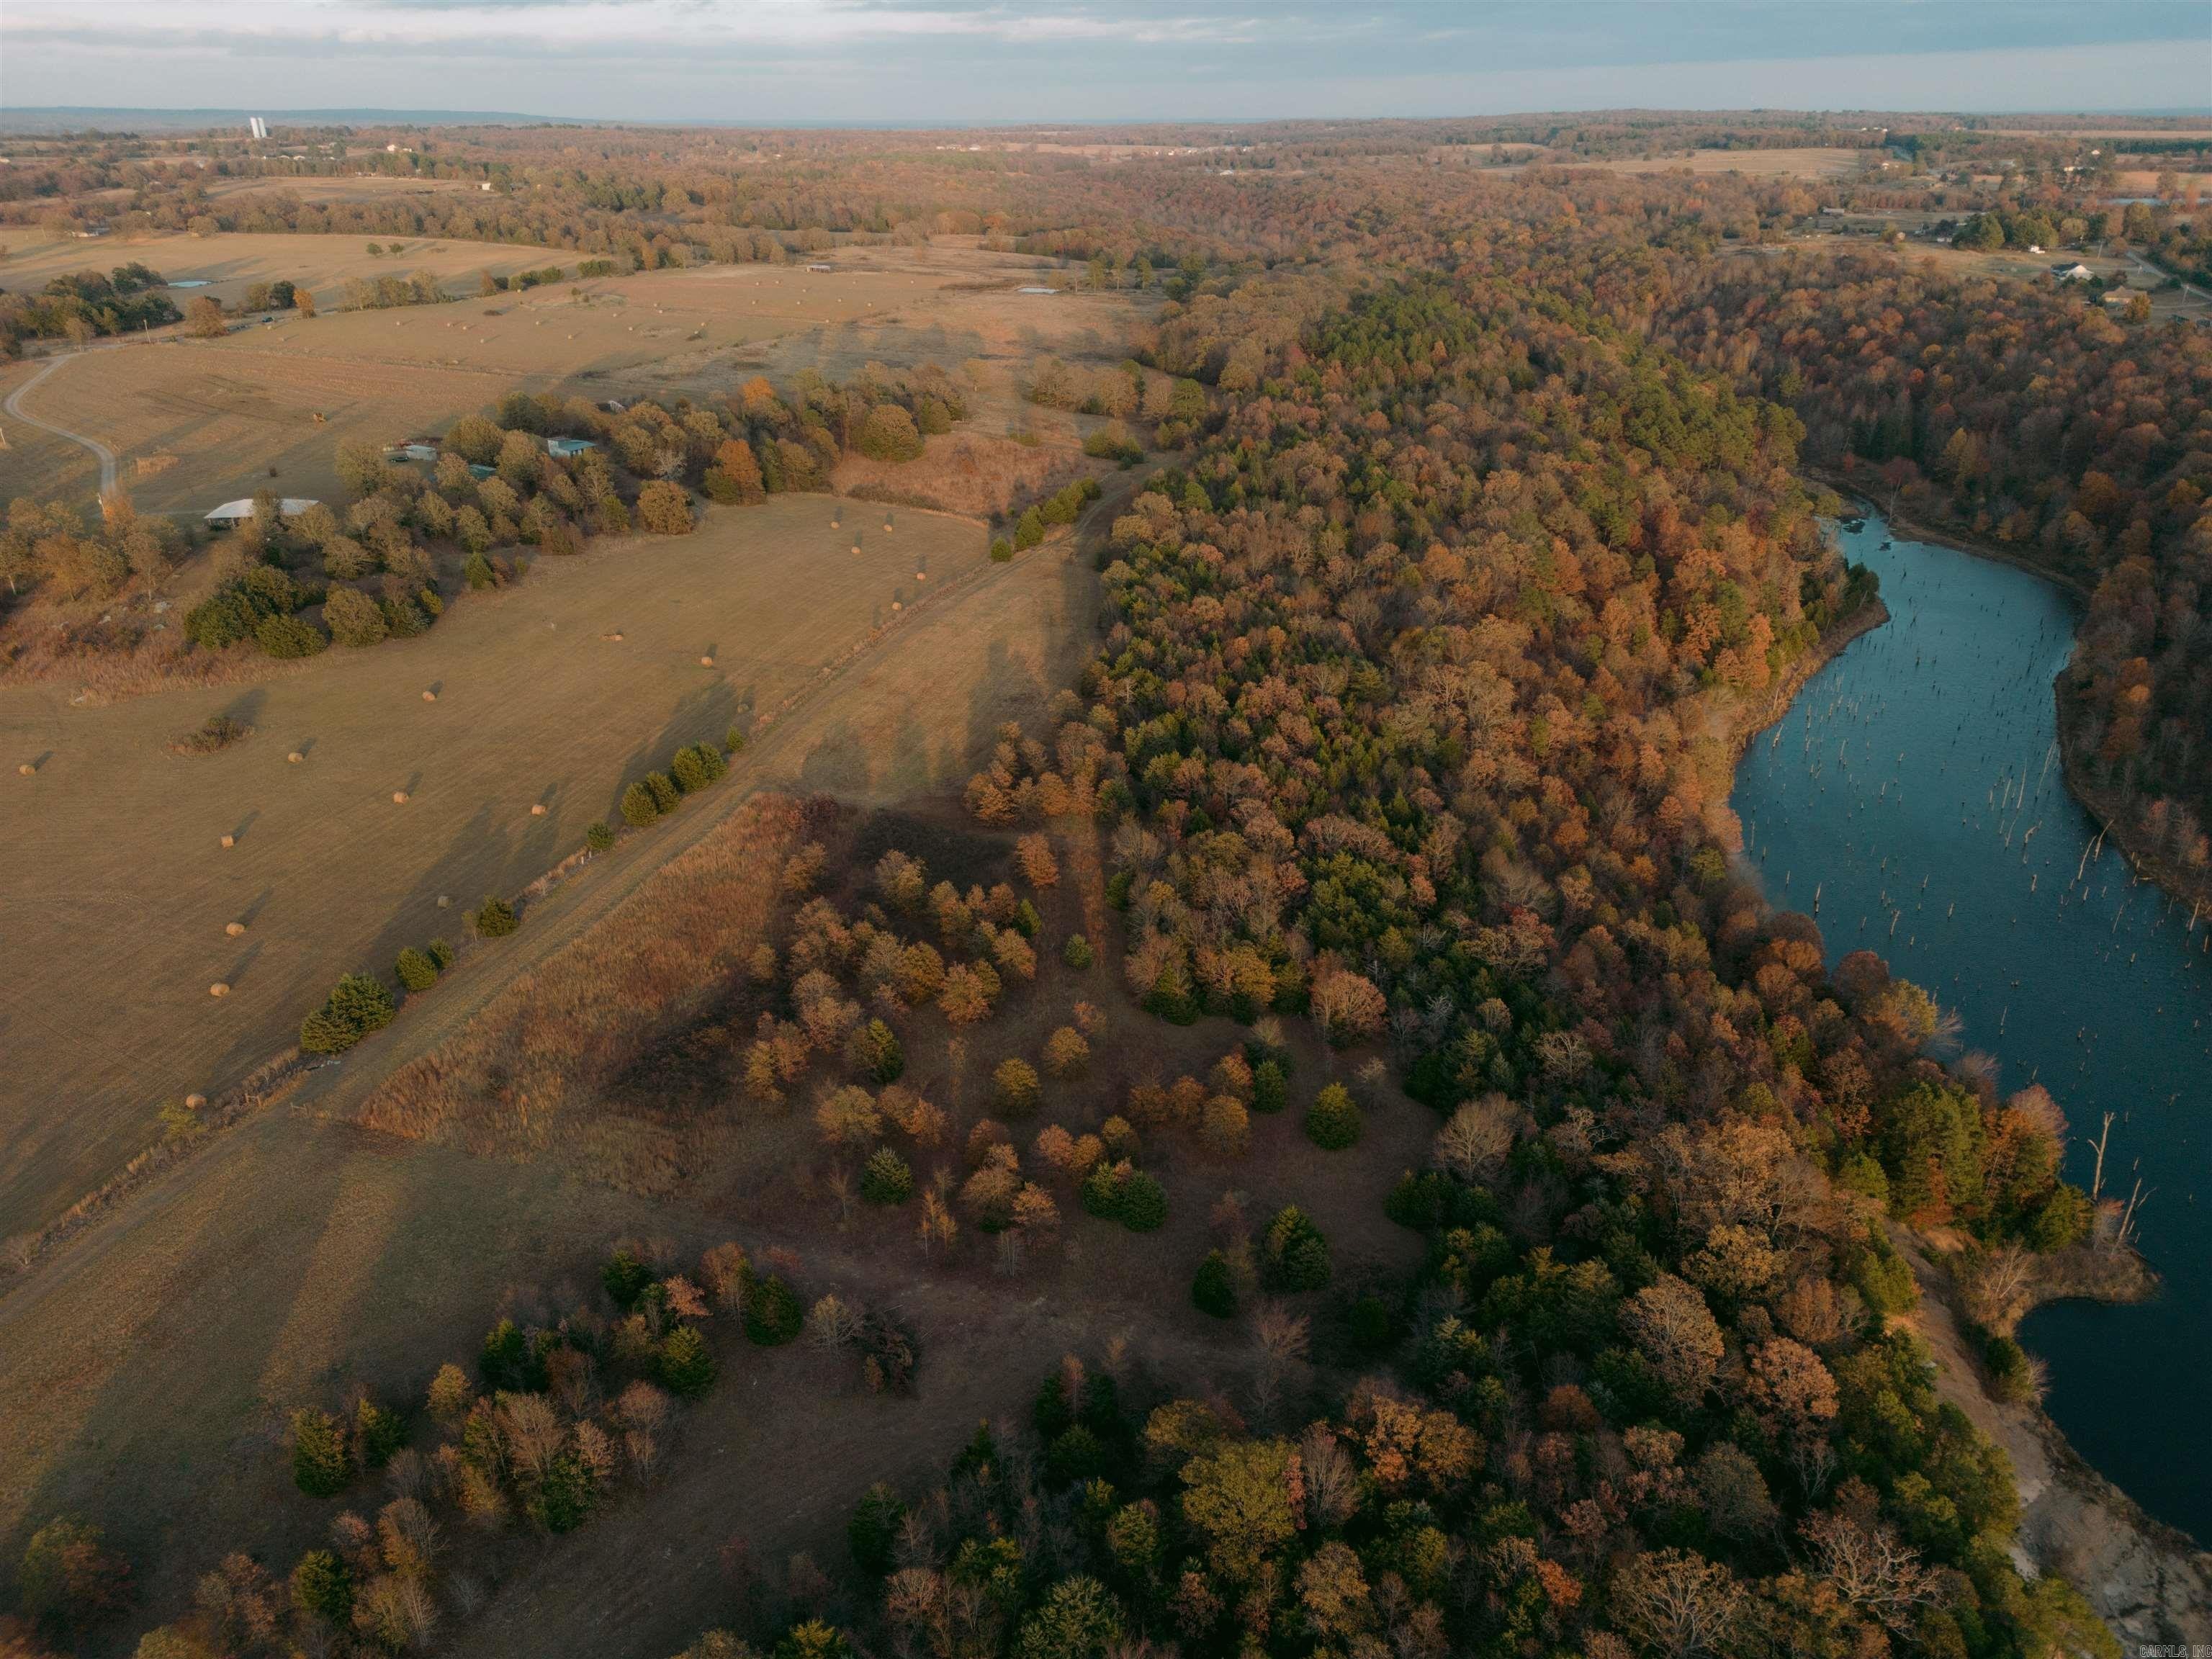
(231,514)
(415,452)
(478,470)
(2076,273)
(564,448)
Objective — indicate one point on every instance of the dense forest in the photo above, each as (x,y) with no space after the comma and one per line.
(2025,418)
(1401,681)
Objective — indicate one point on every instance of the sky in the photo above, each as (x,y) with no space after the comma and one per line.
(956,62)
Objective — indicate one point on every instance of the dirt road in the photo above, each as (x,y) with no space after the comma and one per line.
(101,451)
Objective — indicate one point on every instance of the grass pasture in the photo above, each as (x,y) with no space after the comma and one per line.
(121,888)
(1806,163)
(230,262)
(268,404)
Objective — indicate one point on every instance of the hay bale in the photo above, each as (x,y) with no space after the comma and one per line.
(922,575)
(193,1103)
(537,809)
(888,526)
(295,758)
(706,662)
(230,841)
(443,901)
(399,798)
(26,770)
(429,696)
(234,928)
(218,989)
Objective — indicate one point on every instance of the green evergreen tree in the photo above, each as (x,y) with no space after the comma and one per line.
(322,1458)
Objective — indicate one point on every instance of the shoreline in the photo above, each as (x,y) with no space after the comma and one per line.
(2150,1581)
(2147,865)
(2146,1580)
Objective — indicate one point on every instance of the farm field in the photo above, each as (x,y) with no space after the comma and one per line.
(270,403)
(121,886)
(229,263)
(1809,163)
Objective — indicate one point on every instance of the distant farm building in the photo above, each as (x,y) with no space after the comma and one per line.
(414,453)
(231,514)
(2072,273)
(565,448)
(1037,290)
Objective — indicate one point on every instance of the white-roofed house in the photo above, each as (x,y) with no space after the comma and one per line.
(231,514)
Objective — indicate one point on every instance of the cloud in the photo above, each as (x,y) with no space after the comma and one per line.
(952,61)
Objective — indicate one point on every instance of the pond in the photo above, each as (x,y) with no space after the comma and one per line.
(1913,798)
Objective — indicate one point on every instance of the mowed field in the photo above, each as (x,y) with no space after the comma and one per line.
(268,406)
(1808,164)
(118,888)
(229,261)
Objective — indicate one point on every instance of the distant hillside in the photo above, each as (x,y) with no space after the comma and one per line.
(74,118)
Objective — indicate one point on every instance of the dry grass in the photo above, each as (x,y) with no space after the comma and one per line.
(270,403)
(968,472)
(119,886)
(516,1081)
(1807,163)
(229,264)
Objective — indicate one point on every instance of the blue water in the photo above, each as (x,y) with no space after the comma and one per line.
(1916,787)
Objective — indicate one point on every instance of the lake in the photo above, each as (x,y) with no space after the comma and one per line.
(1914,791)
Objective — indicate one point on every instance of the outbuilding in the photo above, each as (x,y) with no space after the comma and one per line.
(565,448)
(231,514)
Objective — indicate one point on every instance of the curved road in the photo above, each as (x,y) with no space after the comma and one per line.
(100,451)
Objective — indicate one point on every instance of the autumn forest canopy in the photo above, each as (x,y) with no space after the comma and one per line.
(1484,506)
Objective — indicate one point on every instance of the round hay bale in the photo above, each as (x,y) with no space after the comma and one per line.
(888,526)
(234,928)
(856,547)
(922,575)
(295,758)
(429,696)
(537,809)
(895,606)
(706,662)
(193,1103)
(443,901)
(399,798)
(26,770)
(218,989)
(230,841)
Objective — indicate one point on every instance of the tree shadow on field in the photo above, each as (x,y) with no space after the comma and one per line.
(1008,689)
(702,715)
(246,707)
(480,857)
(176,1452)
(837,764)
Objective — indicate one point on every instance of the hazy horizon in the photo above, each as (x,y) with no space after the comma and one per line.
(953,63)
